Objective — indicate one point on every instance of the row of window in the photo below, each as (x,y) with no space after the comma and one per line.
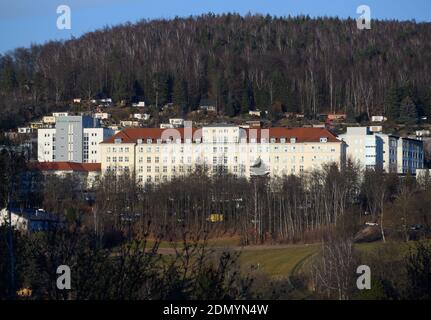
(117,159)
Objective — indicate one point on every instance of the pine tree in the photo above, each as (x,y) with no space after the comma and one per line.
(350,114)
(121,88)
(408,112)
(179,95)
(392,104)
(138,91)
(247,102)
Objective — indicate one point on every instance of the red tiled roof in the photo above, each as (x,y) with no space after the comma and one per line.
(131,135)
(301,134)
(65,166)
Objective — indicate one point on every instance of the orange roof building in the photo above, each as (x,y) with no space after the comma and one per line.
(156,155)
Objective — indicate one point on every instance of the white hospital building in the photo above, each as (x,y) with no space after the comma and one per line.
(155,155)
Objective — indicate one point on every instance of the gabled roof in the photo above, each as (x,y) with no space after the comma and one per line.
(65,166)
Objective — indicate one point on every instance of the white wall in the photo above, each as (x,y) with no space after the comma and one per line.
(45,145)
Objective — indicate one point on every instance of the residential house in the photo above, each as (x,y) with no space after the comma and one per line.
(30,220)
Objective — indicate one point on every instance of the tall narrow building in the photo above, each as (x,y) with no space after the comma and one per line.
(74,139)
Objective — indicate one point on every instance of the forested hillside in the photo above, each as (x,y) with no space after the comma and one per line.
(241,63)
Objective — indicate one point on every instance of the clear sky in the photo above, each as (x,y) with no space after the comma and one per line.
(23,22)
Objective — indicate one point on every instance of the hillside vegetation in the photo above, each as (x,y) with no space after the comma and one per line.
(239,63)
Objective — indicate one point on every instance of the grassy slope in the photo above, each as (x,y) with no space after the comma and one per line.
(277,262)
(281,261)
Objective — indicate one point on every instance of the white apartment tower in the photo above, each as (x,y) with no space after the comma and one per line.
(388,152)
(74,139)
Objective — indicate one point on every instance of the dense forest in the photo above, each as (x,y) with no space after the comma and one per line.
(294,64)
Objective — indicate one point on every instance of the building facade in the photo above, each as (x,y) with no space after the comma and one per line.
(74,139)
(88,174)
(156,155)
(410,155)
(383,151)
(364,147)
(389,149)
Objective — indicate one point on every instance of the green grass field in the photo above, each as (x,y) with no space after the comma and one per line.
(283,262)
(280,261)
(277,262)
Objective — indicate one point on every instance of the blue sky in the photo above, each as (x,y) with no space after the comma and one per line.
(23,22)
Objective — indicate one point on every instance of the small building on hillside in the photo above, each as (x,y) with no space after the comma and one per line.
(253,124)
(37,125)
(48,119)
(139,104)
(336,117)
(378,119)
(255,113)
(141,116)
(102,115)
(207,105)
(376,128)
(166,126)
(177,122)
(129,123)
(25,130)
(60,114)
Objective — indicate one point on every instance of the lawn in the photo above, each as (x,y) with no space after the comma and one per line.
(277,262)
(281,261)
